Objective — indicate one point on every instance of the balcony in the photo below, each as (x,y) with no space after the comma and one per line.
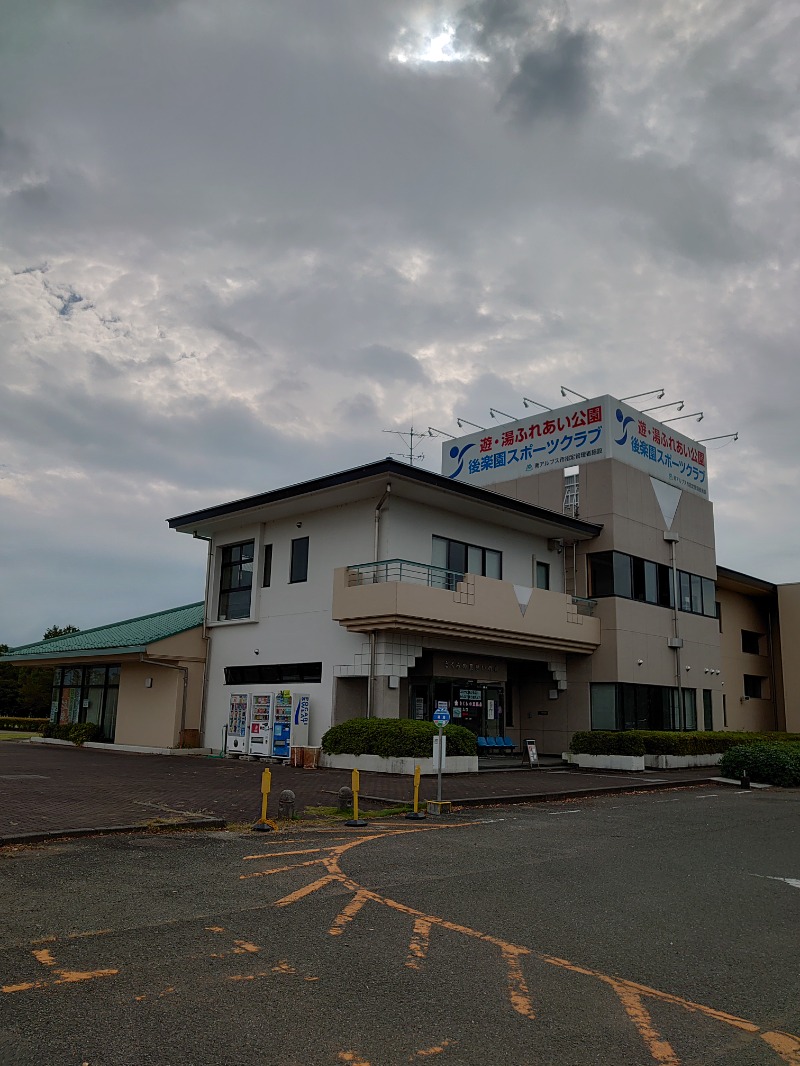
(397,594)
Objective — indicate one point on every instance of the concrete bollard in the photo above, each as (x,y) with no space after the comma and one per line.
(286,802)
(345,798)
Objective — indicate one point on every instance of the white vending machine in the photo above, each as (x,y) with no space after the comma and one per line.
(290,722)
(260,725)
(238,719)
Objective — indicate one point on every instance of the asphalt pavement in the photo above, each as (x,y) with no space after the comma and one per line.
(49,790)
(619,930)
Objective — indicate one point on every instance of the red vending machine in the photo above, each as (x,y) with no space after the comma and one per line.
(260,725)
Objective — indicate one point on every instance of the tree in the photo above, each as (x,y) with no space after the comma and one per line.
(59,631)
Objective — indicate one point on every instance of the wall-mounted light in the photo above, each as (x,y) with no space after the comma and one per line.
(495,411)
(663,406)
(299,525)
(148,682)
(640,662)
(688,668)
(434,432)
(255,651)
(527,401)
(466,422)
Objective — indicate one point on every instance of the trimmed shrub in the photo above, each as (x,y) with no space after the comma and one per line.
(78,732)
(28,725)
(768,762)
(395,738)
(664,742)
(606,742)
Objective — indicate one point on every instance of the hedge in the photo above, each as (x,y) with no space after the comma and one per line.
(29,725)
(78,732)
(663,742)
(395,738)
(766,761)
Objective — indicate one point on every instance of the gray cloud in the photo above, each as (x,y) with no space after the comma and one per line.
(554,80)
(239,242)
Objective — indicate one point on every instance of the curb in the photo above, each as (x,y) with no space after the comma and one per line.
(610,790)
(141,827)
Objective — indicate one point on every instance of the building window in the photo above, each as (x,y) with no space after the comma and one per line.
(754,687)
(542,575)
(708,716)
(618,574)
(751,642)
(463,558)
(274,674)
(266,577)
(624,706)
(298,569)
(235,581)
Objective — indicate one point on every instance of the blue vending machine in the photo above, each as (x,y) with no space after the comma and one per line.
(282,725)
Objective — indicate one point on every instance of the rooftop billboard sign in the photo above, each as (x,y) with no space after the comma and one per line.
(603,428)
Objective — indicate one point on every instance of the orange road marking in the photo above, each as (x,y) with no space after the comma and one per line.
(418,946)
(347,914)
(424,1053)
(659,1049)
(293,897)
(787,1046)
(243,946)
(71,977)
(280,854)
(280,869)
(24,987)
(352,1058)
(215,928)
(283,967)
(44,956)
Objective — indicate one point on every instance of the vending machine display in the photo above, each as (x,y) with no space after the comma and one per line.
(282,725)
(260,725)
(238,714)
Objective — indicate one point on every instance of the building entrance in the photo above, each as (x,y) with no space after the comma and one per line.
(480,706)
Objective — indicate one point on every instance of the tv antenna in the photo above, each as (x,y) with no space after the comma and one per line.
(410,439)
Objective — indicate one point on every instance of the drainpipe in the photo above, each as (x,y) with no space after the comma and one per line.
(204,694)
(185,671)
(373,636)
(672,539)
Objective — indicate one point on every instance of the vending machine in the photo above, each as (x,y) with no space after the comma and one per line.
(260,725)
(238,717)
(282,725)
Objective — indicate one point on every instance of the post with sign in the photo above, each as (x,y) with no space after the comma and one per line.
(441,717)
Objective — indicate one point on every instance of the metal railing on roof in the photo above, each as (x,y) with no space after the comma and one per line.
(403,570)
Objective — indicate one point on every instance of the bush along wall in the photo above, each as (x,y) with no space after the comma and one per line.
(657,742)
(767,762)
(395,738)
(78,732)
(27,725)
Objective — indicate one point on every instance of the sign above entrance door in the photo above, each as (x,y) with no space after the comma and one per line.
(465,666)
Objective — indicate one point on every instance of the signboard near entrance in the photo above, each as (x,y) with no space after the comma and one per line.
(441,716)
(533,755)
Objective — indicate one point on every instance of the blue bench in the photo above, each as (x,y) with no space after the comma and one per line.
(495,745)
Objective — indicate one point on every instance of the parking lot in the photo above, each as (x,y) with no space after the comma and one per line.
(630,929)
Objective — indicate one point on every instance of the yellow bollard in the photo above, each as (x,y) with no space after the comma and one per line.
(355,820)
(416,814)
(264,824)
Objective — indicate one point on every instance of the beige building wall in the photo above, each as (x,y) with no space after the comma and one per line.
(786,651)
(752,613)
(151,716)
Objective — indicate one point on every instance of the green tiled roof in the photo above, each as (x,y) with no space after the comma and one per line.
(132,635)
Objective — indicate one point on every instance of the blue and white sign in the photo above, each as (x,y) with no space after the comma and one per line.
(441,717)
(602,428)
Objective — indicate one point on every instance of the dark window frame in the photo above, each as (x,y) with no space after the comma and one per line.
(237,561)
(457,552)
(266,575)
(751,642)
(753,686)
(274,674)
(298,563)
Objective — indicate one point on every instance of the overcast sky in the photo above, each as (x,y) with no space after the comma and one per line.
(240,239)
